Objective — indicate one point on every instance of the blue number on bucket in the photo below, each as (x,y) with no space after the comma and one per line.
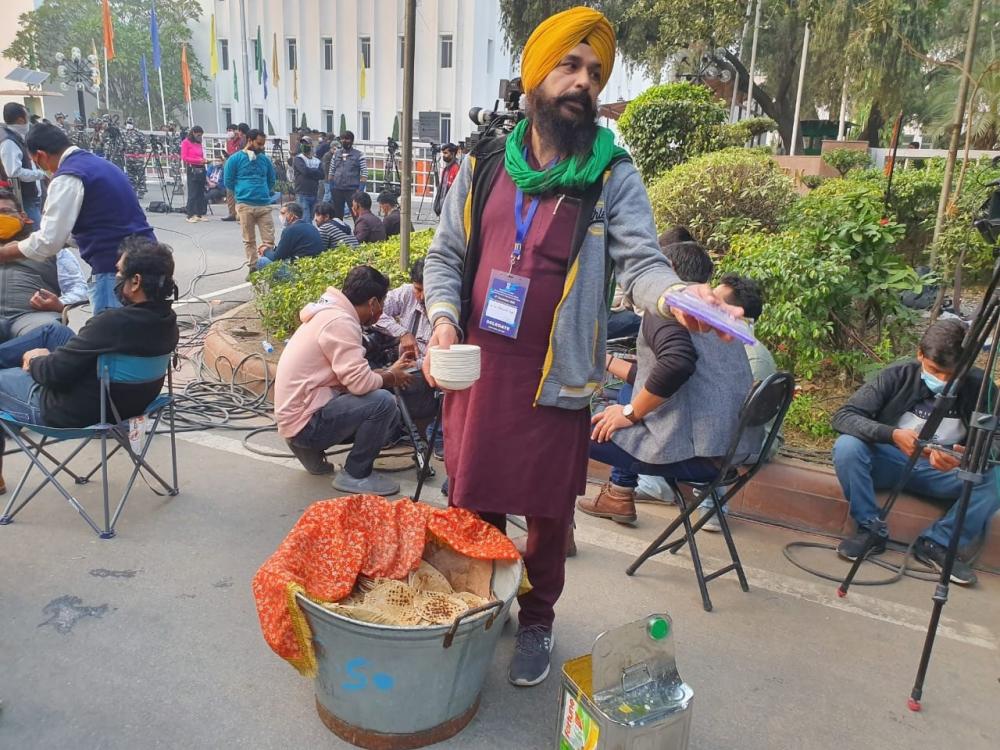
(359,680)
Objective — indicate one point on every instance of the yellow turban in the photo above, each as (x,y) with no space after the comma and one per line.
(554,37)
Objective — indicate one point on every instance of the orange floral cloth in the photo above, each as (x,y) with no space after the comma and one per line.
(336,540)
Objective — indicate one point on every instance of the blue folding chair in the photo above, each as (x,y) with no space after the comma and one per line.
(111,368)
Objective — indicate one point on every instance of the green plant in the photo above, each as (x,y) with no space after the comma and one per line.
(831,277)
(846,159)
(279,300)
(739,133)
(805,415)
(722,194)
(667,124)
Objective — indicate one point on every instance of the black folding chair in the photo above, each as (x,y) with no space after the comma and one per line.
(767,400)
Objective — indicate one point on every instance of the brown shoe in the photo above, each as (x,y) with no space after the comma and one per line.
(610,503)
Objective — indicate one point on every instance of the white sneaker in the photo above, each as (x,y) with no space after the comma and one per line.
(712,524)
(373,484)
(191,220)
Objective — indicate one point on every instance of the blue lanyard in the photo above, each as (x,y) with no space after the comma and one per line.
(522,225)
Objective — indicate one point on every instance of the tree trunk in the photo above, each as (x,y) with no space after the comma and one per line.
(873,128)
(770,107)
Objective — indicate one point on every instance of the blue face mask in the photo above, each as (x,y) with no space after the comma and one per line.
(934,385)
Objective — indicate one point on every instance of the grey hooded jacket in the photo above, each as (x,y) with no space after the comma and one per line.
(619,229)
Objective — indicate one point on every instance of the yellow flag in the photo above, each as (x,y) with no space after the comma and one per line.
(93,49)
(213,64)
(274,59)
(361,78)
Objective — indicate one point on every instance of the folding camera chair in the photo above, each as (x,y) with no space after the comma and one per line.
(767,400)
(111,368)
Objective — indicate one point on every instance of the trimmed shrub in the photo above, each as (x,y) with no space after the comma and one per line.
(279,300)
(722,194)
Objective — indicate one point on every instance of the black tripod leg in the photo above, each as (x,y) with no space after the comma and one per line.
(424,472)
(940,597)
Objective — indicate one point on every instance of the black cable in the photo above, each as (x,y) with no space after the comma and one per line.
(898,571)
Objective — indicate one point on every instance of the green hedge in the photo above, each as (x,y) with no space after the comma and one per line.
(722,194)
(279,300)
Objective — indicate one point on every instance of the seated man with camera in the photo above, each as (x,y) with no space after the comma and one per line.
(326,392)
(879,427)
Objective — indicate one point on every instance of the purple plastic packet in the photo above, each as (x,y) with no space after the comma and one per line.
(712,315)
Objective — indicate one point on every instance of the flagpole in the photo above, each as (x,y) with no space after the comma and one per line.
(149,108)
(106,82)
(163,101)
(218,109)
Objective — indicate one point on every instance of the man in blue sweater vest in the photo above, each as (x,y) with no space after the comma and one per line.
(89,198)
(250,175)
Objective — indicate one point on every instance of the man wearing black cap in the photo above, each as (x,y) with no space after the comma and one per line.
(448,173)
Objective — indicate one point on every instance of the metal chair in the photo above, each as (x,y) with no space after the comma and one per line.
(767,400)
(111,368)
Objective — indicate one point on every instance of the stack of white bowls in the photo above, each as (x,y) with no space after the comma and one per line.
(455,368)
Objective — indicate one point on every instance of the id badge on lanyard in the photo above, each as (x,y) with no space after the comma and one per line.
(507,292)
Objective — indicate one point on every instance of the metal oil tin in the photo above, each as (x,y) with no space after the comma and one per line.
(626,694)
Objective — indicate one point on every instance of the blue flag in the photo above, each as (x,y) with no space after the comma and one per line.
(154,33)
(264,63)
(145,79)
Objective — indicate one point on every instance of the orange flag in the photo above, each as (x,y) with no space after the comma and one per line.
(185,74)
(109,31)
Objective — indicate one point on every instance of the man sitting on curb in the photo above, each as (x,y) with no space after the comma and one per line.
(367,226)
(325,392)
(333,231)
(879,426)
(298,238)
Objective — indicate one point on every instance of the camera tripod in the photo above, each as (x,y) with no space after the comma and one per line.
(977,461)
(435,150)
(155,157)
(390,173)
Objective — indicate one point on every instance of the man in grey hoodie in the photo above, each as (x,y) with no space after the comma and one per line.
(532,231)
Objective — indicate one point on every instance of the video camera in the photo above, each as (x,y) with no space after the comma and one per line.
(507,112)
(392,144)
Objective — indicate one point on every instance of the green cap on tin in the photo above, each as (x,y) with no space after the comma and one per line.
(658,628)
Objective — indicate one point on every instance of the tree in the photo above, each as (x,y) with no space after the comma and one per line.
(57,25)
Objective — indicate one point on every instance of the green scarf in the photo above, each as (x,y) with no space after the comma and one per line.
(576,173)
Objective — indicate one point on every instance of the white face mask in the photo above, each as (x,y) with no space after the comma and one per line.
(282,221)
(21,130)
(129,126)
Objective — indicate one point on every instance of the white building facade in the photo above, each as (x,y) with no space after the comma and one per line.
(343,58)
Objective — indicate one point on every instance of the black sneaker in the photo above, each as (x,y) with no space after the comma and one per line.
(530,664)
(851,549)
(313,460)
(931,553)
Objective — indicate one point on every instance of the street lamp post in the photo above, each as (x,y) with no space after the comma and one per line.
(79,72)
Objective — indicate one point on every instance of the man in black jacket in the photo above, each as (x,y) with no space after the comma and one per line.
(879,428)
(69,392)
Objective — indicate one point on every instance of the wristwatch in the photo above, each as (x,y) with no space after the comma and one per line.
(629,413)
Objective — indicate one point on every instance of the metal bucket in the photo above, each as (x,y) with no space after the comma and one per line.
(392,688)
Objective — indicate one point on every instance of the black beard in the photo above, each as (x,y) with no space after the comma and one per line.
(572,136)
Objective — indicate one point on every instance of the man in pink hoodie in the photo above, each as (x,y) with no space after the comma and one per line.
(326,393)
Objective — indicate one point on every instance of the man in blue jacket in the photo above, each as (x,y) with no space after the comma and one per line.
(250,175)
(299,238)
(89,198)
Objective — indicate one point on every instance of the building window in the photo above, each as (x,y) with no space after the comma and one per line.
(327,120)
(366,52)
(446,50)
(224,54)
(365,125)
(445,127)
(227,116)
(327,53)
(256,54)
(402,51)
(489,56)
(293,119)
(293,53)
(258,116)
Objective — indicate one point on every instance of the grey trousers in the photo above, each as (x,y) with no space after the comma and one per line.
(12,326)
(366,421)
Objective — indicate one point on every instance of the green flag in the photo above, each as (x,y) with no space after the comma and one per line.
(258,57)
(236,87)
(395,128)
(343,123)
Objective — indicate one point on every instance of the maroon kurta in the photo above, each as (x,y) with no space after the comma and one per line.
(503,454)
